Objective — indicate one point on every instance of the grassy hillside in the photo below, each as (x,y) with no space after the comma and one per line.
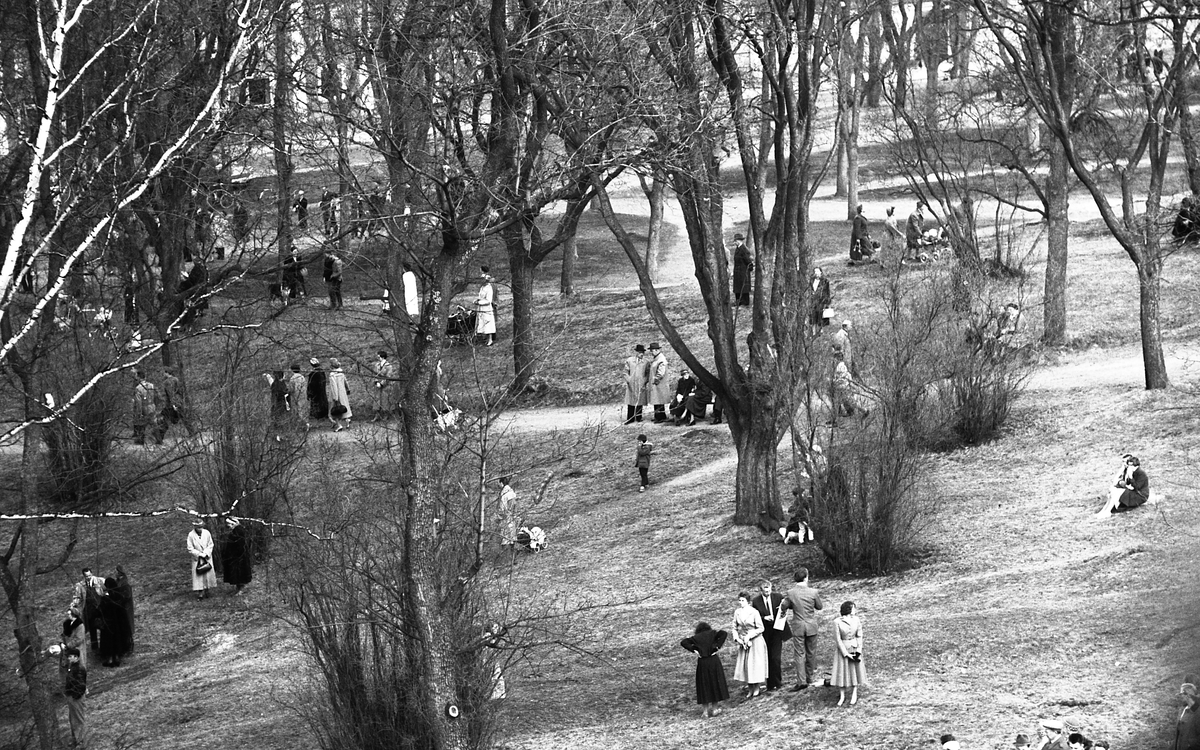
(1021,608)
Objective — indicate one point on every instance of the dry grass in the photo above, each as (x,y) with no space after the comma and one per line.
(1022,609)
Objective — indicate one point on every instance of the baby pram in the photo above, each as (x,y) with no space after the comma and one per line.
(460,327)
(532,538)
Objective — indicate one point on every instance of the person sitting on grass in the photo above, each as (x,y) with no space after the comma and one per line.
(1131,490)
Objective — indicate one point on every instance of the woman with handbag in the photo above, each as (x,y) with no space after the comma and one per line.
(200,547)
(848,669)
(751,664)
(338,394)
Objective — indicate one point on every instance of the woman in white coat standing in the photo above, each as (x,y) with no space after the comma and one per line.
(339,396)
(485,309)
(200,547)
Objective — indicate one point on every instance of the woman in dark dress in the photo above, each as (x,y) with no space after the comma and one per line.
(710,674)
(236,562)
(1131,490)
(822,298)
(318,401)
(117,639)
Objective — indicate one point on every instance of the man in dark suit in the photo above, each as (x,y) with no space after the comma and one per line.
(767,605)
(803,602)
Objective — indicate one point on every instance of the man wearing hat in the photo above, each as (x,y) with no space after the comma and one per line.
(1022,742)
(914,230)
(743,270)
(1051,736)
(841,340)
(635,384)
(659,387)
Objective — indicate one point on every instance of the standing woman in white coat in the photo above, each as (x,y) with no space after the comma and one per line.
(338,394)
(485,309)
(200,545)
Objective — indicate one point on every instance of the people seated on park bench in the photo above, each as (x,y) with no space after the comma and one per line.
(683,388)
(1131,490)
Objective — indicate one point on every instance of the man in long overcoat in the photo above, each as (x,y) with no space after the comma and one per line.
(743,271)
(659,385)
(635,384)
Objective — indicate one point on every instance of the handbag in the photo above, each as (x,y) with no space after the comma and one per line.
(338,409)
(203,565)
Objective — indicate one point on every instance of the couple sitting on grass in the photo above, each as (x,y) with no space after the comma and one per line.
(1131,490)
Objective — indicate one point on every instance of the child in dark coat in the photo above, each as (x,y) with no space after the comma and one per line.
(642,461)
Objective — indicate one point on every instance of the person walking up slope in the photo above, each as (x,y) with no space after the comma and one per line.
(642,460)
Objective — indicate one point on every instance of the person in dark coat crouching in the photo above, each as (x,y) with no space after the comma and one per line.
(236,560)
(711,687)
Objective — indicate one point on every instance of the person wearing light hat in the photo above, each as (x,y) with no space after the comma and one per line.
(743,270)
(485,309)
(200,547)
(1051,735)
(949,743)
(636,371)
(658,386)
(841,339)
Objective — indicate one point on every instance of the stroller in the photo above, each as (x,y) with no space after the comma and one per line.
(532,538)
(460,326)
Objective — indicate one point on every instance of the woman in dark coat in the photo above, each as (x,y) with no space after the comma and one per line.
(821,298)
(743,271)
(318,401)
(1131,490)
(125,586)
(117,638)
(236,560)
(711,687)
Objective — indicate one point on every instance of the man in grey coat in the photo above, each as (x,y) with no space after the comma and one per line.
(659,390)
(803,603)
(635,384)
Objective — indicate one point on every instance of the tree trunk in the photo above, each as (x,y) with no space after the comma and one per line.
(566,279)
(522,272)
(1149,295)
(1187,137)
(1054,311)
(657,197)
(282,152)
(756,442)
(874,38)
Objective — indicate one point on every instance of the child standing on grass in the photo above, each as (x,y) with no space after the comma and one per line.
(642,461)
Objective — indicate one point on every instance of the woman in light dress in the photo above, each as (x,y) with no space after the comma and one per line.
(200,544)
(848,669)
(751,664)
(485,309)
(338,393)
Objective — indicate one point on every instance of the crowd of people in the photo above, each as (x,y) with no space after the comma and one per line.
(100,620)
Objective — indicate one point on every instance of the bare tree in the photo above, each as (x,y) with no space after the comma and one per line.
(789,47)
(85,163)
(1093,132)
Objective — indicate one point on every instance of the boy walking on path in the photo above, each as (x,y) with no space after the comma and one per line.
(642,461)
(75,688)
